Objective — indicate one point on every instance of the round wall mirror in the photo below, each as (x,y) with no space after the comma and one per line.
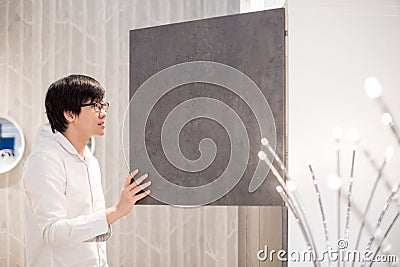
(46,134)
(12,144)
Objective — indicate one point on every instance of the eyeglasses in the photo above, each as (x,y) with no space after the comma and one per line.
(98,106)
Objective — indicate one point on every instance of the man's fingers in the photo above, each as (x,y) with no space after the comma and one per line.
(140,188)
(138,181)
(129,178)
(141,195)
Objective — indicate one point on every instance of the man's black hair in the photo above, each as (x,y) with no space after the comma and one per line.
(67,94)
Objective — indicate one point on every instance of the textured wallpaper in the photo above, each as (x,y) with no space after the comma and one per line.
(41,41)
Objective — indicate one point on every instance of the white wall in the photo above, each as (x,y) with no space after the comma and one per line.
(333,47)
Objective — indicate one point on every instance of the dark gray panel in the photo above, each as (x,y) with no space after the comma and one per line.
(252,43)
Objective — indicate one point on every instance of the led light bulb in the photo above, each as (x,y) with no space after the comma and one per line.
(373,87)
(389,153)
(262,155)
(386,248)
(264,141)
(334,182)
(387,119)
(378,234)
(395,188)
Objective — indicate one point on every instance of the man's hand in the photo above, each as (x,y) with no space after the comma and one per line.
(128,197)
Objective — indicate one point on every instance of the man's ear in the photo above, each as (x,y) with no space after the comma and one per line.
(69,116)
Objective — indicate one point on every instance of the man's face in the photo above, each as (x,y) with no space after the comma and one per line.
(91,120)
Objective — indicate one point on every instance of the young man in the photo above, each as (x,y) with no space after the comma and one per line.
(66,219)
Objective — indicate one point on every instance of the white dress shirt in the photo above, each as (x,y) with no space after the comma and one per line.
(65,209)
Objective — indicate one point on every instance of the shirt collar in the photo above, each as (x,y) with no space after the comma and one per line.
(66,144)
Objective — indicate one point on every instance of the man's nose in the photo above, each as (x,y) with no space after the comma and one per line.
(102,114)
